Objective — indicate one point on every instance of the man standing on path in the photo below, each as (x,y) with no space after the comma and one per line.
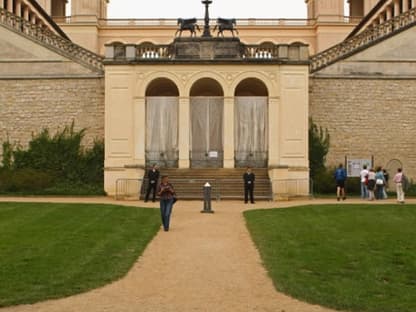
(153,176)
(249,178)
(340,177)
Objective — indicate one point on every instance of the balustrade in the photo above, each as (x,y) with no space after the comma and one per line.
(46,36)
(372,33)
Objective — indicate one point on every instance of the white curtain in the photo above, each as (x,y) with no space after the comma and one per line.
(251,128)
(161,128)
(206,120)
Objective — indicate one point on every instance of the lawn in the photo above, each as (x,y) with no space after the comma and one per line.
(349,257)
(56,250)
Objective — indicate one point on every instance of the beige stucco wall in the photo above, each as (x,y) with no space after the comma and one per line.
(367,117)
(28,106)
(125,113)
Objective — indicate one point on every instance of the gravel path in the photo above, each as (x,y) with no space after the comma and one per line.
(206,262)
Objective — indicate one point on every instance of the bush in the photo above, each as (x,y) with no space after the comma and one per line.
(54,164)
(324,183)
(24,180)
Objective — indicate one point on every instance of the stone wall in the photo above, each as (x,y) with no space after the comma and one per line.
(28,106)
(367,117)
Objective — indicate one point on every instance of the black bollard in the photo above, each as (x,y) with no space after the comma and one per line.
(207,199)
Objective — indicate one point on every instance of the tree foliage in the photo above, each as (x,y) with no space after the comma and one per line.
(53,160)
(319,141)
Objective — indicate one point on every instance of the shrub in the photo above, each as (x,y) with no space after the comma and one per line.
(24,180)
(324,183)
(318,148)
(53,164)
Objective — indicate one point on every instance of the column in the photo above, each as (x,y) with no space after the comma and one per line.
(18,8)
(397,8)
(33,18)
(184,132)
(10,5)
(139,135)
(389,13)
(1,4)
(26,13)
(229,132)
(381,18)
(413,4)
(405,5)
(274,133)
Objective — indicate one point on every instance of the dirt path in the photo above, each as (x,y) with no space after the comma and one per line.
(207,262)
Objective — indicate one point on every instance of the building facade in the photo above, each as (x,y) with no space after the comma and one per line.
(224,103)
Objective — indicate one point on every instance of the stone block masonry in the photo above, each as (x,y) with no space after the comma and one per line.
(367,117)
(29,105)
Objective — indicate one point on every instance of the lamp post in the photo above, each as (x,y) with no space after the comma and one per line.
(207,32)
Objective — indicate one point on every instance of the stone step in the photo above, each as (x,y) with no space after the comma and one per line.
(225,183)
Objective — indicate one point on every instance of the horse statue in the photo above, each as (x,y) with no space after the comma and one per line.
(226,24)
(187,24)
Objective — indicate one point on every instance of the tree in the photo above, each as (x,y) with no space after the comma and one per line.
(318,148)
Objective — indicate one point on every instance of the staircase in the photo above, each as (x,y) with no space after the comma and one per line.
(225,183)
(49,39)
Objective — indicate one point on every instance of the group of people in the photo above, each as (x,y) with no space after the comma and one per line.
(373,183)
(167,193)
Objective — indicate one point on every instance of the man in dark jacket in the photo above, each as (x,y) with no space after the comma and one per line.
(249,178)
(153,176)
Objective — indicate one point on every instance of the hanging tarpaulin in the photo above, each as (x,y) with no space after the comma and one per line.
(207,131)
(251,131)
(162,131)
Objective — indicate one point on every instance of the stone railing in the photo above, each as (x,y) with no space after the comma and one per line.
(49,38)
(173,22)
(218,50)
(369,35)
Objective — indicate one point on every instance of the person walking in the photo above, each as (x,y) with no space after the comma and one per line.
(380,182)
(399,179)
(153,176)
(364,182)
(249,178)
(167,195)
(371,184)
(340,176)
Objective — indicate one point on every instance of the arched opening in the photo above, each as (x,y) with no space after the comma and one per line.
(162,87)
(207,113)
(162,106)
(206,87)
(251,123)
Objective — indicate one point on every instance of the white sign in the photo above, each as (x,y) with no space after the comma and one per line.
(213,154)
(354,166)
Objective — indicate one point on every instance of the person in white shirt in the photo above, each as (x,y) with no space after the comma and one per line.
(364,182)
(398,179)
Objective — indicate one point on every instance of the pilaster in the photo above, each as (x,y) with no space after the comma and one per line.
(274,132)
(229,132)
(184,128)
(139,136)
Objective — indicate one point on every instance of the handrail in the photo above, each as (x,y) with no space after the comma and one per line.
(49,38)
(368,36)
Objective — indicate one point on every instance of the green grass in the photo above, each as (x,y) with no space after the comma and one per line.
(56,250)
(349,257)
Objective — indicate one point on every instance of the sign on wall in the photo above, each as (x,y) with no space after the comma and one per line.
(354,166)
